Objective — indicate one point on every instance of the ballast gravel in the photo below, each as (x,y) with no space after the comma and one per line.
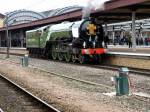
(73,96)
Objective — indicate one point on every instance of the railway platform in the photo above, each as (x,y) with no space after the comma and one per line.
(124,48)
(124,56)
(116,55)
(14,51)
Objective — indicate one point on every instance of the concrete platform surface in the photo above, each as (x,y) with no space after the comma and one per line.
(124,56)
(14,50)
(124,48)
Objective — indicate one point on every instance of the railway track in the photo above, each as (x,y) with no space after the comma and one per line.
(67,77)
(132,70)
(1,110)
(88,82)
(141,99)
(114,68)
(29,102)
(93,66)
(107,67)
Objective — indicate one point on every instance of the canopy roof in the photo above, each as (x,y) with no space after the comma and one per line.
(121,10)
(115,11)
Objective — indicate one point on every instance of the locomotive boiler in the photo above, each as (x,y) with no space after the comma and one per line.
(70,41)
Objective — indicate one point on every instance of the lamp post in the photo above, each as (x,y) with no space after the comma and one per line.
(7,36)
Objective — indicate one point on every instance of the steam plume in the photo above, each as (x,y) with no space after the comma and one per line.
(92,5)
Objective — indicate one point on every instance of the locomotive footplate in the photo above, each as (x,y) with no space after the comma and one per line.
(92,51)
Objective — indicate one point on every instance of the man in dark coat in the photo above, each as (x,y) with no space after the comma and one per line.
(130,41)
(106,41)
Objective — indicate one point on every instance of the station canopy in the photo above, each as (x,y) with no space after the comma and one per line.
(114,11)
(22,16)
(61,11)
(121,10)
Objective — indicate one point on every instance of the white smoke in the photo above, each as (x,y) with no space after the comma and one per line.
(92,5)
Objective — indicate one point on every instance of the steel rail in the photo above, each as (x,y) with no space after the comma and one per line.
(79,80)
(64,76)
(71,78)
(84,81)
(1,110)
(52,109)
(108,67)
(87,65)
(116,68)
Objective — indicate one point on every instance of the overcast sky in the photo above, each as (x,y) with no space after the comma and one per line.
(38,5)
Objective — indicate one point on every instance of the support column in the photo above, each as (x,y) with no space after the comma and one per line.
(0,41)
(21,38)
(24,35)
(133,31)
(10,38)
(140,34)
(113,35)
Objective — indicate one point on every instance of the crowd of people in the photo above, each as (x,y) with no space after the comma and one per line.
(127,40)
(14,43)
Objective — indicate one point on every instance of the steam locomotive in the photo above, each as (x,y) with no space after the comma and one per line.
(70,41)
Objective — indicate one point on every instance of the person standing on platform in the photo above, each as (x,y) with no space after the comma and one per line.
(106,41)
(130,41)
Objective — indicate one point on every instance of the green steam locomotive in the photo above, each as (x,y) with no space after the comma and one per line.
(70,41)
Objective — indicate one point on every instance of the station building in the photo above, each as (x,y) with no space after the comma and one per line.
(23,16)
(18,37)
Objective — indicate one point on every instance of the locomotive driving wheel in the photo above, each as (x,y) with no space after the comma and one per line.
(97,59)
(60,54)
(54,53)
(67,56)
(73,58)
(81,59)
